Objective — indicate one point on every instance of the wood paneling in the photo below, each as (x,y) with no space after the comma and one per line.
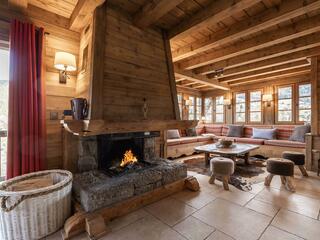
(61,7)
(127,80)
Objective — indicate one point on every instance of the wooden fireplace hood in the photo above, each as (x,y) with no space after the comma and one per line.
(98,127)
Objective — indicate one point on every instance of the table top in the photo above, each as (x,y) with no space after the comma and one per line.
(236,149)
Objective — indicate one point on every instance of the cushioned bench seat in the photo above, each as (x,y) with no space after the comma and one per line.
(184,140)
(250,141)
(285,143)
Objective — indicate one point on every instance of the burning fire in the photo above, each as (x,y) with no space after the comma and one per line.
(128,158)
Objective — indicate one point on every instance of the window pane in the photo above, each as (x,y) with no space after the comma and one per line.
(219,100)
(255,117)
(219,118)
(284,92)
(240,97)
(285,104)
(305,115)
(305,102)
(304,90)
(241,107)
(284,116)
(255,106)
(255,96)
(219,109)
(240,117)
(208,109)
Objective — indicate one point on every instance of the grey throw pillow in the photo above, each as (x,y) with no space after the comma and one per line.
(235,131)
(299,132)
(262,133)
(191,132)
(173,134)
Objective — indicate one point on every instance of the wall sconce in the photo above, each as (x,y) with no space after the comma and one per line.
(65,62)
(187,103)
(227,103)
(267,98)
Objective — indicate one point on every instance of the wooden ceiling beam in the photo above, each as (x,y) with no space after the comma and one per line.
(288,58)
(271,76)
(280,68)
(214,13)
(266,39)
(268,18)
(153,10)
(180,79)
(20,5)
(189,75)
(310,41)
(81,13)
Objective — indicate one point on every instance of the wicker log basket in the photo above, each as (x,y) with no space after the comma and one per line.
(36,213)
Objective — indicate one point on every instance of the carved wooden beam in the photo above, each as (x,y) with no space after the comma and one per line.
(152,11)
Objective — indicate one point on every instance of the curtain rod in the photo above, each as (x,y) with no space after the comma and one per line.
(8,21)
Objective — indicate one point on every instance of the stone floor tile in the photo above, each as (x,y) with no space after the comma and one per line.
(170,210)
(193,229)
(194,199)
(234,220)
(217,235)
(236,196)
(273,233)
(262,207)
(297,224)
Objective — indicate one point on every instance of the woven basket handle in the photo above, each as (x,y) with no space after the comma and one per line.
(4,206)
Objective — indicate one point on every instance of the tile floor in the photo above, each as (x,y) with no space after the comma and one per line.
(270,213)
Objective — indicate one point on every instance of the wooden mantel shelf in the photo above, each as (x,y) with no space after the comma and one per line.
(99,127)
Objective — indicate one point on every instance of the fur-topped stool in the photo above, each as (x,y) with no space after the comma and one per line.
(298,159)
(283,168)
(222,167)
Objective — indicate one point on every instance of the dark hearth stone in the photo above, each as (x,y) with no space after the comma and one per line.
(94,189)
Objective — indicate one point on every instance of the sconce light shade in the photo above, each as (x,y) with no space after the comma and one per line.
(188,102)
(203,118)
(65,61)
(227,102)
(267,97)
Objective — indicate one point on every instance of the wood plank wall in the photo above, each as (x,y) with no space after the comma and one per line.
(134,68)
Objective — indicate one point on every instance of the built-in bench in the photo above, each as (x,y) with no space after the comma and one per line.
(208,133)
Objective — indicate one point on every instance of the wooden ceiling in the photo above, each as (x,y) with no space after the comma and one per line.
(220,43)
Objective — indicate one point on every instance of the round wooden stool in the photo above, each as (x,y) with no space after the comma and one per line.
(282,167)
(222,167)
(298,159)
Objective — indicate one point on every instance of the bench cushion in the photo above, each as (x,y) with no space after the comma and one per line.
(215,129)
(250,141)
(285,143)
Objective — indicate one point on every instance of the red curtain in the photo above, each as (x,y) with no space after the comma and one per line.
(26,125)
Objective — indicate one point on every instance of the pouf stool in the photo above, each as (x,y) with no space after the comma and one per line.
(221,167)
(298,159)
(283,168)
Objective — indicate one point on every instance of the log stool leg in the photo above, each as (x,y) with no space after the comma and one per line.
(268,179)
(225,182)
(289,184)
(303,170)
(283,180)
(212,178)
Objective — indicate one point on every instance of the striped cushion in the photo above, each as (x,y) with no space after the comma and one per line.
(225,129)
(183,132)
(250,141)
(284,131)
(285,143)
(215,129)
(200,130)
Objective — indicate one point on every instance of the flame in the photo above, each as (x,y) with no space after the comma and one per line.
(128,158)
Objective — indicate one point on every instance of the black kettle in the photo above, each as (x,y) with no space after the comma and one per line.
(79,107)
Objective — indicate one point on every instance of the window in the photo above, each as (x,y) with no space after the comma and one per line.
(208,109)
(304,105)
(285,104)
(240,114)
(4,83)
(219,107)
(180,104)
(255,109)
(199,108)
(191,108)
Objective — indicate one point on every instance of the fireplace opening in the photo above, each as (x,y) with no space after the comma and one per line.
(123,153)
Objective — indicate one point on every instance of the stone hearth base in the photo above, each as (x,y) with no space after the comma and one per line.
(94,189)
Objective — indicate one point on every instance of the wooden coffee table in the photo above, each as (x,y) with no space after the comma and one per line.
(237,150)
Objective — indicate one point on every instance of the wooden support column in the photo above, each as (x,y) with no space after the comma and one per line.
(315,84)
(172,82)
(229,109)
(97,62)
(268,112)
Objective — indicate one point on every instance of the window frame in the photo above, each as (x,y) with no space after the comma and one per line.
(197,108)
(215,110)
(293,108)
(194,107)
(234,103)
(297,101)
(180,104)
(249,106)
(205,112)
